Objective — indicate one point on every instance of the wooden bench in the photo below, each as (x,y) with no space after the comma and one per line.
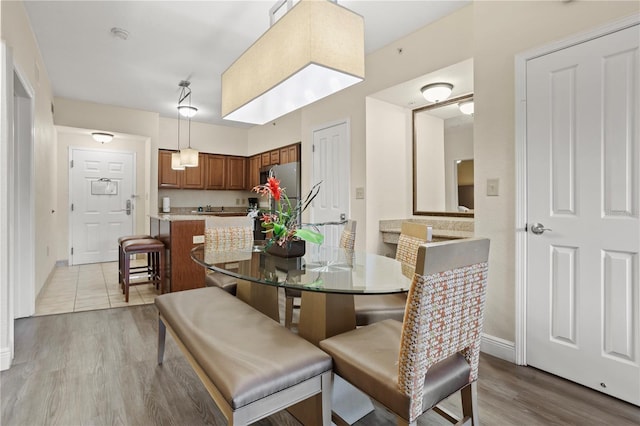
(251,366)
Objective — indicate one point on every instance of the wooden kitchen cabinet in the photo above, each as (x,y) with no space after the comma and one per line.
(216,171)
(194,177)
(255,164)
(275,157)
(289,154)
(167,177)
(266,159)
(236,172)
(181,272)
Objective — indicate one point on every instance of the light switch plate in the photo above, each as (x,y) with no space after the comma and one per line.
(198,239)
(493,187)
(360,193)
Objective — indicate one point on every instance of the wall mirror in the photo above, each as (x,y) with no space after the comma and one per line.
(443,159)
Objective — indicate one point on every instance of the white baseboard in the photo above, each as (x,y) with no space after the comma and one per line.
(500,348)
(5,359)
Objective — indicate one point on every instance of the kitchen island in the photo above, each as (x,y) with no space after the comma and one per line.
(180,233)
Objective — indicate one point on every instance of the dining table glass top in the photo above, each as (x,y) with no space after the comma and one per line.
(322,269)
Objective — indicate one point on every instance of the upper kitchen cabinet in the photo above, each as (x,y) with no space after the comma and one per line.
(236,172)
(194,177)
(266,158)
(289,154)
(216,171)
(255,164)
(167,177)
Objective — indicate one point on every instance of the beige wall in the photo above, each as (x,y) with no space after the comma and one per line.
(71,137)
(19,39)
(388,163)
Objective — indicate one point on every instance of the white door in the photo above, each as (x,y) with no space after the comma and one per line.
(331,165)
(583,157)
(101,198)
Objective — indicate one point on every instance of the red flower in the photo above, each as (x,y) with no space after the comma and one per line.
(274,187)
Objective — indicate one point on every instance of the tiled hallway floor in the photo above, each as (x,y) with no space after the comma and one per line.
(89,287)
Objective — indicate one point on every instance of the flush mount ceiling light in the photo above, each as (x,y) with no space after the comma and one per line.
(314,50)
(188,156)
(102,137)
(466,107)
(437,92)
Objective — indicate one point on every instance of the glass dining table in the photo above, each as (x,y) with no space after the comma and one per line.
(328,278)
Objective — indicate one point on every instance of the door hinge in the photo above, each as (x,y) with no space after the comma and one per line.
(313,148)
(72,251)
(71,164)
(71,206)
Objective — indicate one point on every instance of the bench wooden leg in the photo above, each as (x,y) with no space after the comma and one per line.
(162,333)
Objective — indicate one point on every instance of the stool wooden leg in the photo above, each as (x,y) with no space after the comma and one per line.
(125,281)
(161,270)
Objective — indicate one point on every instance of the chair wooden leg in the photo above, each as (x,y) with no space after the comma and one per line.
(470,403)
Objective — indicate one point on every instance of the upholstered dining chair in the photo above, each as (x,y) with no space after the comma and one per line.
(347,241)
(374,308)
(410,367)
(230,234)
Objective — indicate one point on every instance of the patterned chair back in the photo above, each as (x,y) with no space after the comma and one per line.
(412,234)
(232,233)
(445,312)
(348,237)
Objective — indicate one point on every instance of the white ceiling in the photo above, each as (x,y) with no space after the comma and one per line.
(171,41)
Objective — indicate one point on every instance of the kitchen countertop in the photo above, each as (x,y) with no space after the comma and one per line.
(443,229)
(196,216)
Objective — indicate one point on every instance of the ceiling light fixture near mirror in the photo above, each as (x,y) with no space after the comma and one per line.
(314,50)
(102,137)
(437,92)
(188,156)
(466,107)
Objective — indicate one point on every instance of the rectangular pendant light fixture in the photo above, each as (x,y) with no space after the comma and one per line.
(316,49)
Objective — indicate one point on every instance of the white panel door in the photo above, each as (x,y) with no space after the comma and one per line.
(331,165)
(583,157)
(101,197)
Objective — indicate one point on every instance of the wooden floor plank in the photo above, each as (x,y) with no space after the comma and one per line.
(99,367)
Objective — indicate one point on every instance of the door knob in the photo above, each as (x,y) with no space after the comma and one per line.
(538,228)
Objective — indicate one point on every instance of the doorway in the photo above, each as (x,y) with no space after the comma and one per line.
(21,199)
(578,212)
(331,165)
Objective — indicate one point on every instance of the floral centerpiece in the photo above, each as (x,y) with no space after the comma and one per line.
(282,223)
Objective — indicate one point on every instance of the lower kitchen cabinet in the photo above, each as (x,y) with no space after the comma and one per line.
(181,272)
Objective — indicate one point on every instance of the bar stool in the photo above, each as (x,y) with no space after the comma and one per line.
(154,249)
(121,254)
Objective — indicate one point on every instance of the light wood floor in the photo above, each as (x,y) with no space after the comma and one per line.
(99,367)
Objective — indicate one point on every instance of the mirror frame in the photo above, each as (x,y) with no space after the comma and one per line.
(413,125)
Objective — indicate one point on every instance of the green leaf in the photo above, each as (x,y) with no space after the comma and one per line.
(310,236)
(278,229)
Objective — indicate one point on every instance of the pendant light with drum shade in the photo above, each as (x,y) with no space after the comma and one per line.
(188,156)
(314,50)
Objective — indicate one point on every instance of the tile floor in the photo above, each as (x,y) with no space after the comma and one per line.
(89,287)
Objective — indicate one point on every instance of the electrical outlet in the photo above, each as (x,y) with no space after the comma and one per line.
(198,239)
(360,193)
(493,187)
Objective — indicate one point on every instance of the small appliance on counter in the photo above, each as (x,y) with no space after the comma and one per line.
(253,203)
(166,205)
